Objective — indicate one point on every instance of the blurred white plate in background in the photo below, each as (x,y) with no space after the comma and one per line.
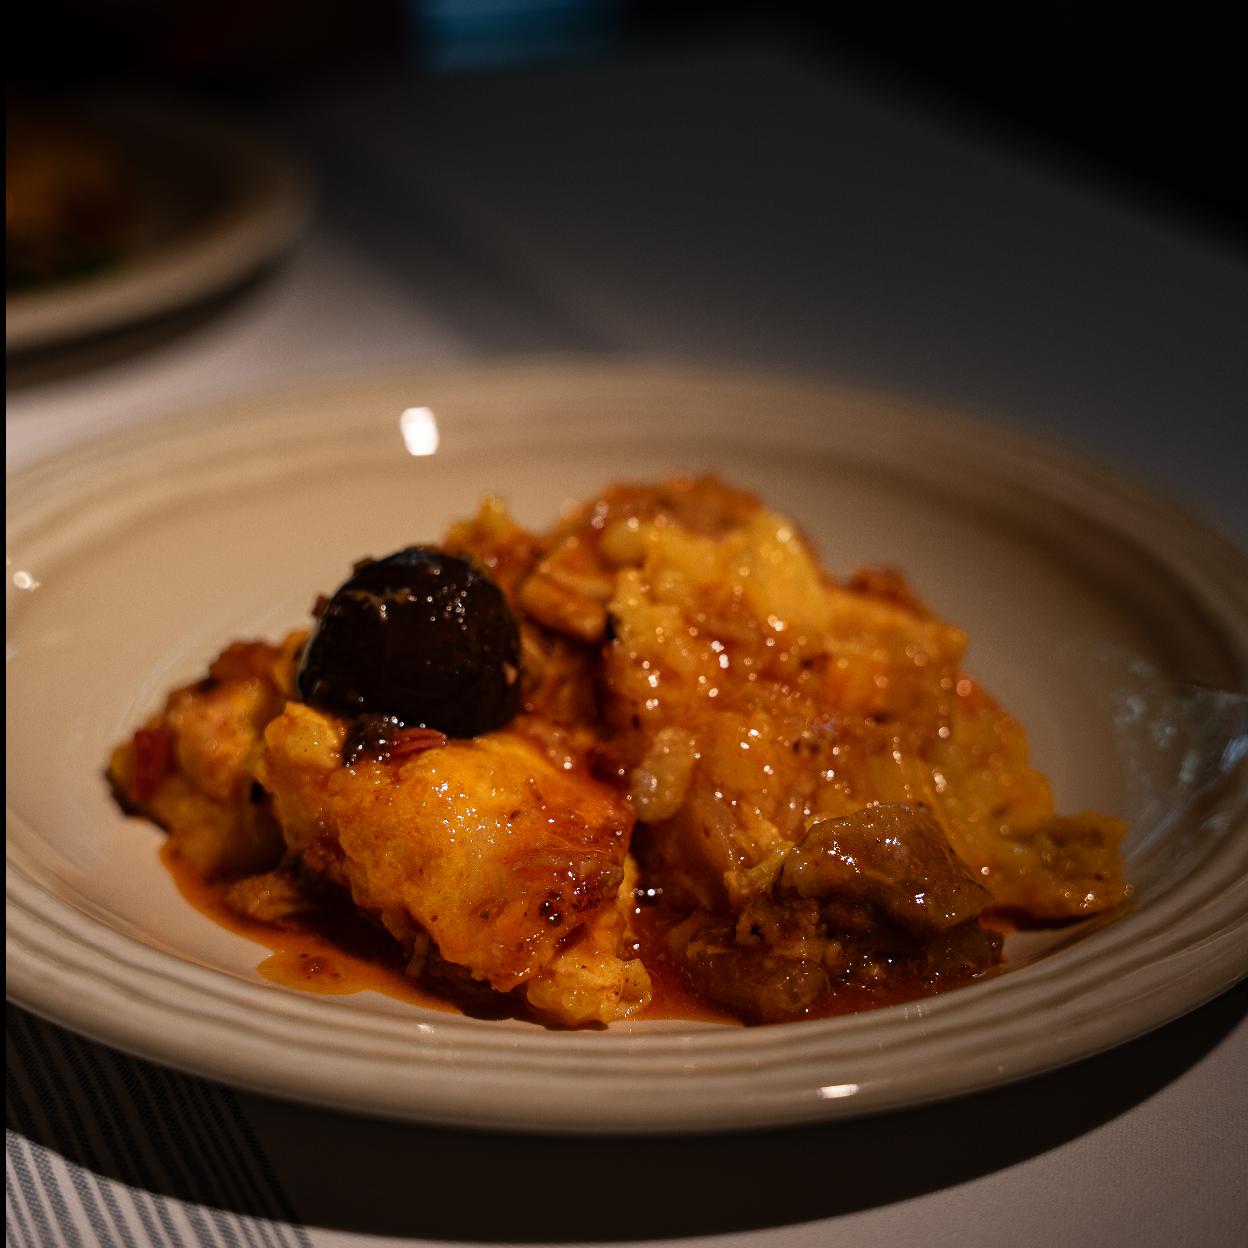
(208,204)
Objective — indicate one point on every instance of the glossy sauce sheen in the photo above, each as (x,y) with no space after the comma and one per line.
(331,958)
(314,957)
(338,955)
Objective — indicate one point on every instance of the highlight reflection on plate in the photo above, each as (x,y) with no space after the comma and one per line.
(1114,625)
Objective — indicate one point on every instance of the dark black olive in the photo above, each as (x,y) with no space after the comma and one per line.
(420,636)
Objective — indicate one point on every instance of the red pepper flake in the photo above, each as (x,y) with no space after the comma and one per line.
(380,737)
(409,741)
(153,751)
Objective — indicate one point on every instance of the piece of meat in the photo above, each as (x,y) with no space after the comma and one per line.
(203,792)
(277,896)
(750,978)
(894,859)
(858,898)
(513,866)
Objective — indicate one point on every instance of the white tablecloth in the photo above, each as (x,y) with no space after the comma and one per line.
(730,207)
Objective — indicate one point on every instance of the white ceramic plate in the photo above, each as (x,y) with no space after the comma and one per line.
(211,205)
(1111,622)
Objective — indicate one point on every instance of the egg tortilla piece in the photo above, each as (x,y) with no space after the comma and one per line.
(512,867)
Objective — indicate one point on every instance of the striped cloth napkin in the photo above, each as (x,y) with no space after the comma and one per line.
(105,1149)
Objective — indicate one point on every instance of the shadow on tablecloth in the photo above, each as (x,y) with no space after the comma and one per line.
(196,1141)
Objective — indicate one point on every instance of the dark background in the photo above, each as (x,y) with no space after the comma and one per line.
(1146,107)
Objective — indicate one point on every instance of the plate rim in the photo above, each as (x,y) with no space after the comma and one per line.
(1225,948)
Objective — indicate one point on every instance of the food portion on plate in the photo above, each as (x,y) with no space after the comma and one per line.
(653,761)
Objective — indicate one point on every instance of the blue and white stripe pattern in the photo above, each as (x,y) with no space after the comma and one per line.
(105,1149)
